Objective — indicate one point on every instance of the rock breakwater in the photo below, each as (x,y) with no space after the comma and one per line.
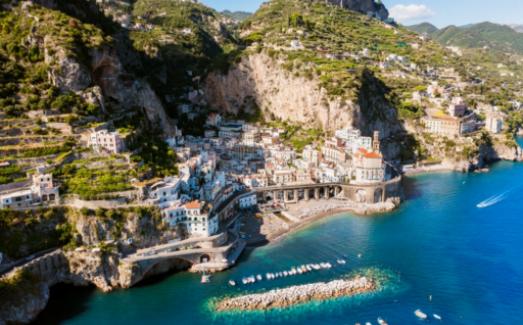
(295,295)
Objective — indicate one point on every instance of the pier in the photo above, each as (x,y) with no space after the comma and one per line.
(295,295)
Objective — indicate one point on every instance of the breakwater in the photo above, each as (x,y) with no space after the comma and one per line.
(295,295)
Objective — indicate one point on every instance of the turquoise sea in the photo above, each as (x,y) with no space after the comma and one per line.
(439,244)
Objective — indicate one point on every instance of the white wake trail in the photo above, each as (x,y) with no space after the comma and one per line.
(492,200)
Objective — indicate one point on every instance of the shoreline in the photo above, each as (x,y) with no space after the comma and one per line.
(312,215)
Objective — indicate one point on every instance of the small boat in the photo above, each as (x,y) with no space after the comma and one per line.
(259,277)
(381,321)
(436,316)
(341,261)
(206,278)
(360,255)
(232,283)
(421,315)
(368,323)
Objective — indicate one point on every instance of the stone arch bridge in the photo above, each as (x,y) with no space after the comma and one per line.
(361,193)
(208,254)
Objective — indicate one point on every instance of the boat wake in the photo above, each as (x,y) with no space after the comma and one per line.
(492,200)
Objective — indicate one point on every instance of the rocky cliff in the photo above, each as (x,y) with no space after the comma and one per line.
(28,287)
(376,8)
(90,60)
(260,82)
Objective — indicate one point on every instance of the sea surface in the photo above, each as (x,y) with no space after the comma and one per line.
(449,257)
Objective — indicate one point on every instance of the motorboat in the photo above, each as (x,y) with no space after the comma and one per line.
(381,321)
(206,278)
(421,315)
(232,283)
(436,316)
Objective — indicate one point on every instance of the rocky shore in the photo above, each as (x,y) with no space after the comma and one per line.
(295,295)
(305,213)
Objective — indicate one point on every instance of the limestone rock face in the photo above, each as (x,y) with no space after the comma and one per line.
(364,6)
(130,92)
(259,81)
(65,72)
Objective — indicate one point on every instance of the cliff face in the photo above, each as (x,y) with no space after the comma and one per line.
(260,81)
(364,6)
(95,64)
(30,284)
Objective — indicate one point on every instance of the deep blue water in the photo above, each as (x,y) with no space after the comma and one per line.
(439,243)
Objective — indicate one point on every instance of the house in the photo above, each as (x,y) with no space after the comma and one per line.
(494,122)
(283,176)
(166,190)
(104,140)
(334,151)
(438,122)
(248,201)
(230,130)
(192,217)
(40,190)
(311,156)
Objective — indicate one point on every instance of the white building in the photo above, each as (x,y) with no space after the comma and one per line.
(333,150)
(494,123)
(230,130)
(41,190)
(354,140)
(283,176)
(311,156)
(166,191)
(103,140)
(248,201)
(197,223)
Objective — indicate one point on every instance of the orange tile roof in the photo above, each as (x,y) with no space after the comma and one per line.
(193,205)
(369,154)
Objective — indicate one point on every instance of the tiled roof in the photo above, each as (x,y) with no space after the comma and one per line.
(193,205)
(369,154)
(14,186)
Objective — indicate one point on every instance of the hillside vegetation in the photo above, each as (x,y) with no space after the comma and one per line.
(495,37)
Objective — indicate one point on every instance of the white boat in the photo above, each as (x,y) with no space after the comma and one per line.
(360,255)
(206,278)
(368,323)
(341,261)
(232,283)
(436,316)
(421,315)
(381,321)
(259,277)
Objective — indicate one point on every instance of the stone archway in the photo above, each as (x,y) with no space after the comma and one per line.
(361,196)
(205,258)
(378,195)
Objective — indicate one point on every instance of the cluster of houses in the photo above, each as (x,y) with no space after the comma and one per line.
(458,119)
(234,157)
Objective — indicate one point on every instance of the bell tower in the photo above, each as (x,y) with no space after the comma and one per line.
(376,142)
